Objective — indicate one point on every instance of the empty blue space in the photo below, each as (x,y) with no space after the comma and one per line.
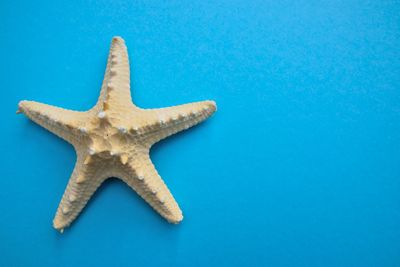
(300,165)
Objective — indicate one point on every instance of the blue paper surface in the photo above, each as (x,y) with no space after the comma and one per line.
(300,166)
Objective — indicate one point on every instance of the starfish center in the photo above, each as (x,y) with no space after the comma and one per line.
(108,139)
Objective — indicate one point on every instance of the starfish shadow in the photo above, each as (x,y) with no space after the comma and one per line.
(157,148)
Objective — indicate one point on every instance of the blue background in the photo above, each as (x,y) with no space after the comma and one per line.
(300,166)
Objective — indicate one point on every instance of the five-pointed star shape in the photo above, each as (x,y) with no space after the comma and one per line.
(113,139)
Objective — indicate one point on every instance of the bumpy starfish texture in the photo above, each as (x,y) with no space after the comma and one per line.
(113,139)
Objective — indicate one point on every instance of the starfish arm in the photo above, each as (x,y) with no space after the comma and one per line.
(62,122)
(87,176)
(141,175)
(115,90)
(168,121)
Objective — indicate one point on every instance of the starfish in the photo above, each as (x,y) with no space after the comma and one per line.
(113,139)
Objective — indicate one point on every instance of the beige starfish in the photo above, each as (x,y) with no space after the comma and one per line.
(113,139)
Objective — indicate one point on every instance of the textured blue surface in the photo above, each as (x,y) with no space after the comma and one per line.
(300,166)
